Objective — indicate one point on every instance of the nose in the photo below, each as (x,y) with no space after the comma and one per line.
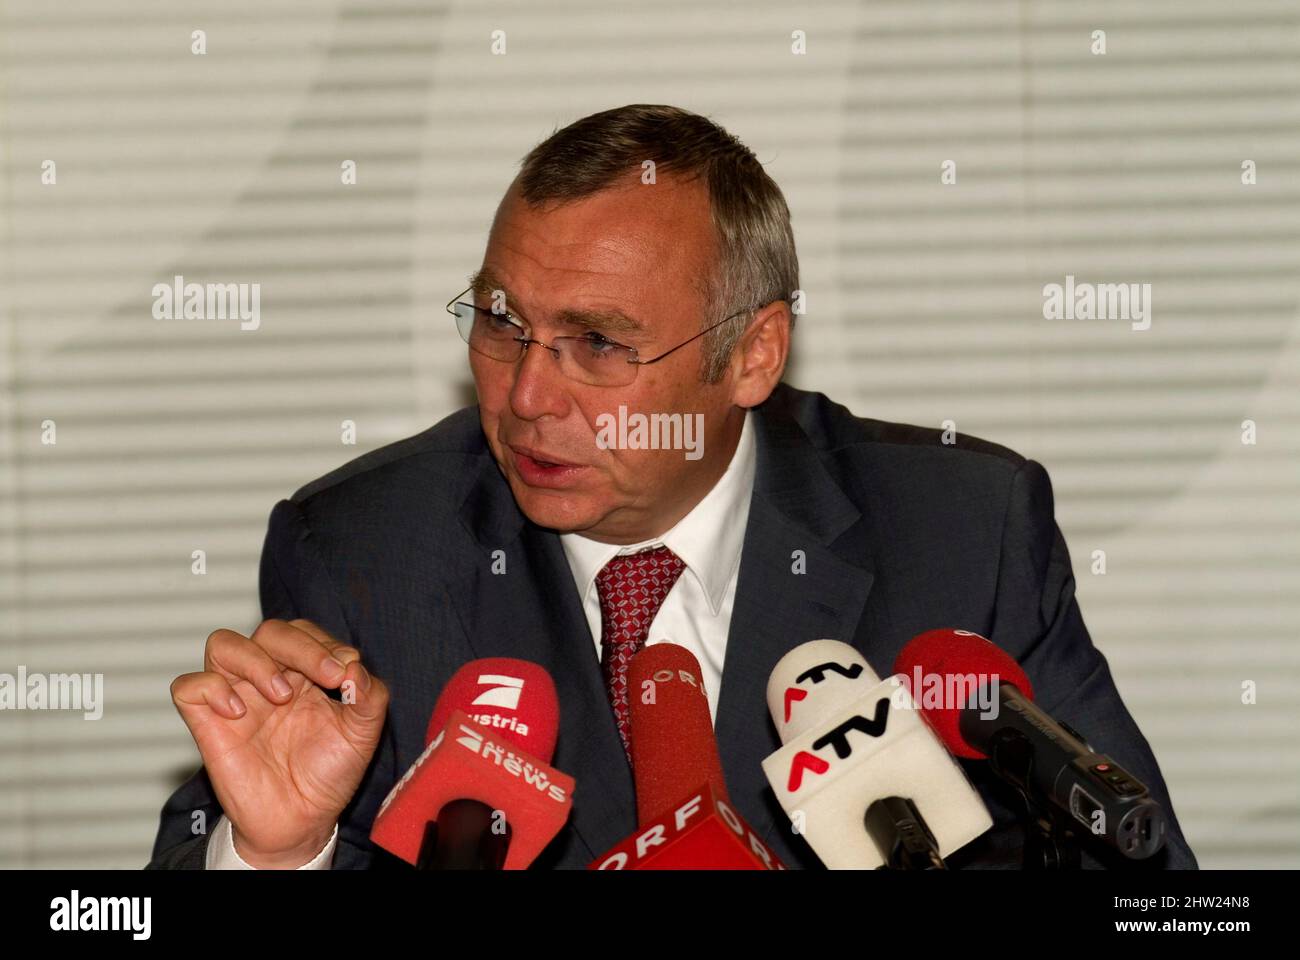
(540,387)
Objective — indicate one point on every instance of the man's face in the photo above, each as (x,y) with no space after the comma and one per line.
(639,249)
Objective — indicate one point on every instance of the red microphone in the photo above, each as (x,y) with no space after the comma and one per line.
(932,657)
(492,693)
(482,795)
(686,819)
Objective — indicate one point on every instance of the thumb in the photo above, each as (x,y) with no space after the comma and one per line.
(363,718)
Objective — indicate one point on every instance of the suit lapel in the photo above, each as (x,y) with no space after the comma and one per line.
(533,612)
(797,512)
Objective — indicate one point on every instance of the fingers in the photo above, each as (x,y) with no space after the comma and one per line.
(274,647)
(340,651)
(233,656)
(207,689)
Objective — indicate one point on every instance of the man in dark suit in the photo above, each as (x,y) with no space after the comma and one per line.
(643,261)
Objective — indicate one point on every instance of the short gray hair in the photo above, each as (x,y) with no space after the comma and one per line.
(757,263)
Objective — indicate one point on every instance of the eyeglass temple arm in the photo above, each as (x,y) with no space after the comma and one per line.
(694,338)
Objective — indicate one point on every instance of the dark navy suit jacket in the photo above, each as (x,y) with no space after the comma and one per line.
(392,553)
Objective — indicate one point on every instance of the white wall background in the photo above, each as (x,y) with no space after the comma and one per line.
(925,304)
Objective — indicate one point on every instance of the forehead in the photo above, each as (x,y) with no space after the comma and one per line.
(631,240)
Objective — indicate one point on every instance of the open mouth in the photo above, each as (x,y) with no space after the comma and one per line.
(535,470)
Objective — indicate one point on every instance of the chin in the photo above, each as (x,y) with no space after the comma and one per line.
(555,511)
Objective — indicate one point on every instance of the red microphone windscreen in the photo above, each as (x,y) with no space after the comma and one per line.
(931,658)
(465,761)
(674,750)
(514,699)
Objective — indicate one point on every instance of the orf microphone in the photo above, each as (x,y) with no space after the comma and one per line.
(674,750)
(686,819)
(1052,765)
(482,795)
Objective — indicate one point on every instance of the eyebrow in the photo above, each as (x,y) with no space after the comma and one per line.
(485,283)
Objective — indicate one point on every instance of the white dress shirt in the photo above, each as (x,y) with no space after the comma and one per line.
(696,614)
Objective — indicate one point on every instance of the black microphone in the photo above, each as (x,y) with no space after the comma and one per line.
(1052,765)
(902,835)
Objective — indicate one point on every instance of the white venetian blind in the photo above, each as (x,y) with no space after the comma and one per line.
(925,304)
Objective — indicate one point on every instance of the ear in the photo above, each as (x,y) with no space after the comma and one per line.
(760,356)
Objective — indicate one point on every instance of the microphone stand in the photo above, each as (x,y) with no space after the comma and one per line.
(1051,840)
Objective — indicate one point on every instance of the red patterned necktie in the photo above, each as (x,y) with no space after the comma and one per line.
(631,589)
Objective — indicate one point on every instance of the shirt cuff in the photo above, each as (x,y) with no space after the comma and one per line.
(221,854)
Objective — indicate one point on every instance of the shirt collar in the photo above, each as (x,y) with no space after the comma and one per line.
(708,539)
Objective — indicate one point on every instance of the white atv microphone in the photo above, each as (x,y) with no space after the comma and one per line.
(860,773)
